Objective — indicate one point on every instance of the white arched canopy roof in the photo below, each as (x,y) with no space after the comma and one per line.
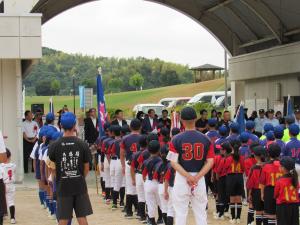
(241,26)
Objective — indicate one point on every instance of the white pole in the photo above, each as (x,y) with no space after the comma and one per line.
(225,78)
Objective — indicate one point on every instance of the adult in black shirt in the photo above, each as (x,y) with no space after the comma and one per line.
(119,118)
(201,123)
(71,157)
(164,120)
(91,132)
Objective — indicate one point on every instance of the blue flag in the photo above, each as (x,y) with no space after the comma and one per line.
(240,118)
(102,115)
(51,106)
(289,106)
(81,97)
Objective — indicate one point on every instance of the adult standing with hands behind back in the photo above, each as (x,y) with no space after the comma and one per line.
(191,155)
(71,157)
(30,131)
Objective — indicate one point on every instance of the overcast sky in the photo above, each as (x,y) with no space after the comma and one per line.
(126,28)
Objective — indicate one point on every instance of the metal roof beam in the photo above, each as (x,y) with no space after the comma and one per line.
(217,6)
(267,17)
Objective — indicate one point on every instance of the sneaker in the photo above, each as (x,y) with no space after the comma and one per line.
(54,217)
(12,221)
(128,216)
(244,202)
(232,221)
(215,213)
(121,204)
(143,219)
(238,221)
(107,201)
(220,218)
(114,207)
(160,221)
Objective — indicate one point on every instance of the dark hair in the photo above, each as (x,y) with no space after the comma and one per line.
(294,175)
(226,111)
(139,114)
(8,153)
(236,150)
(203,111)
(151,110)
(118,111)
(175,131)
(152,137)
(143,141)
(219,113)
(154,147)
(227,147)
(27,113)
(165,111)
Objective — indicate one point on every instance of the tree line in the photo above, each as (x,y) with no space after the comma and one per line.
(53,75)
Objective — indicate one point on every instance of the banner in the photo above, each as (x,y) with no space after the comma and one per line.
(240,118)
(289,106)
(102,115)
(81,97)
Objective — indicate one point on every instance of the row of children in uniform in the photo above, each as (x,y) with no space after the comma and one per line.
(43,173)
(242,160)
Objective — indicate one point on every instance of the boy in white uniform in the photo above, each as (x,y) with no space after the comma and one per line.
(9,172)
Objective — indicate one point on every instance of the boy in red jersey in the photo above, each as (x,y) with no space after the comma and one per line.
(255,202)
(269,174)
(234,166)
(286,194)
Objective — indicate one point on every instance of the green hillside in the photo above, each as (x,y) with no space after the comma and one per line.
(126,100)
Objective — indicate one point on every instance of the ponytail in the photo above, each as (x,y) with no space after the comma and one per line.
(236,150)
(294,175)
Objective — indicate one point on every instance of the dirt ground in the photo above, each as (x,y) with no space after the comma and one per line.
(28,211)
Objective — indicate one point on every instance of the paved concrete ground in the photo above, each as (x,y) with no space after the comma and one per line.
(28,211)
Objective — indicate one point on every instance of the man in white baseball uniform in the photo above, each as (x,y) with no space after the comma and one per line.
(191,154)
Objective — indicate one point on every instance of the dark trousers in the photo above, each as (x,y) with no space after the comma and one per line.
(27,148)
(3,208)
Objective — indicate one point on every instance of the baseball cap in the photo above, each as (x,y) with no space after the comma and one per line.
(188,113)
(106,125)
(223,130)
(274,150)
(135,124)
(56,135)
(165,131)
(289,119)
(250,125)
(49,133)
(175,131)
(270,135)
(268,127)
(212,122)
(294,129)
(259,150)
(270,111)
(288,163)
(278,132)
(244,137)
(261,111)
(125,129)
(43,131)
(234,127)
(152,137)
(68,120)
(153,146)
(50,117)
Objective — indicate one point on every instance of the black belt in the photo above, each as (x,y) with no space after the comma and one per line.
(139,172)
(115,158)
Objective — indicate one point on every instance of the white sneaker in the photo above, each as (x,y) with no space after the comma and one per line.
(232,221)
(227,215)
(53,217)
(238,221)
(221,218)
(215,213)
(216,217)
(245,203)
(12,221)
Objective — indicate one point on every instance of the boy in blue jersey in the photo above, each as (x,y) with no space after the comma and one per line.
(278,133)
(293,146)
(191,154)
(250,125)
(212,133)
(234,132)
(244,149)
(222,133)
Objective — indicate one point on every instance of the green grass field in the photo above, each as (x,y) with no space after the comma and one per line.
(126,100)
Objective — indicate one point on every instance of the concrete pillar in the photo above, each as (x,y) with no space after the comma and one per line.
(11,109)
(237,94)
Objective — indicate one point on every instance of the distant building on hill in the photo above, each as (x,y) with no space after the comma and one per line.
(207,72)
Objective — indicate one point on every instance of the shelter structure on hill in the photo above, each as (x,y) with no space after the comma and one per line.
(207,72)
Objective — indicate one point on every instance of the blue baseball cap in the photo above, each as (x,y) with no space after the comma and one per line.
(270,135)
(250,125)
(50,117)
(49,133)
(268,127)
(56,135)
(278,131)
(223,130)
(212,122)
(244,137)
(43,131)
(234,127)
(68,120)
(294,129)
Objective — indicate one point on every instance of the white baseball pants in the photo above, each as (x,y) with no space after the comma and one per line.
(130,189)
(10,194)
(152,197)
(116,174)
(171,211)
(182,195)
(106,175)
(140,187)
(163,201)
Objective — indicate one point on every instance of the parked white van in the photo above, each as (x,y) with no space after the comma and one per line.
(173,102)
(206,97)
